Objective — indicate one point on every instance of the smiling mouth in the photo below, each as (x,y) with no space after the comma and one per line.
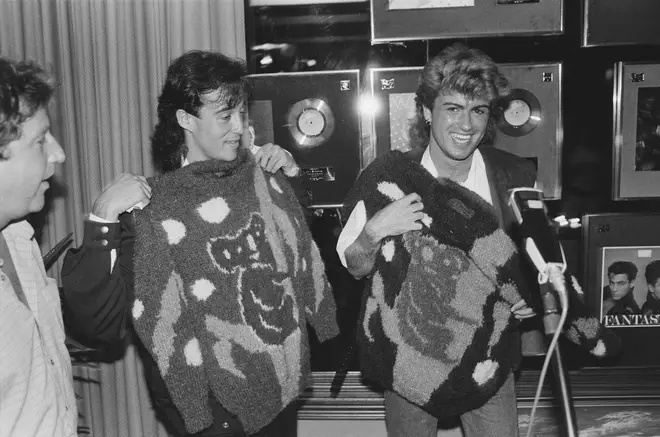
(461,138)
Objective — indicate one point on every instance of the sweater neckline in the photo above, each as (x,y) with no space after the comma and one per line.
(218,168)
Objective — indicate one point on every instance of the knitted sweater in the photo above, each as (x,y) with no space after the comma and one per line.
(436,324)
(226,277)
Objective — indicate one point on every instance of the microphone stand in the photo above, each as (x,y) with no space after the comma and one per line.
(551,316)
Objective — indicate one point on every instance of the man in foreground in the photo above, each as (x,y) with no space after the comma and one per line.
(36,385)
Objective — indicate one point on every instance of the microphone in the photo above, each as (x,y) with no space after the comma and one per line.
(544,250)
(540,240)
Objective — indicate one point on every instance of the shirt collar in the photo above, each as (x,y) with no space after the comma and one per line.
(427,163)
(19,229)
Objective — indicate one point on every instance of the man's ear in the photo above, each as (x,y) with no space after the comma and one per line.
(427,114)
(184,119)
(632,284)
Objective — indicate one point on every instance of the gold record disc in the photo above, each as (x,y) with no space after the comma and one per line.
(310,122)
(518,113)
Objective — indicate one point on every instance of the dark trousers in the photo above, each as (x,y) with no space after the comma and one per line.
(227,425)
(497,418)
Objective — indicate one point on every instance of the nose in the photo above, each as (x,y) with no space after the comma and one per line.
(465,120)
(238,123)
(55,152)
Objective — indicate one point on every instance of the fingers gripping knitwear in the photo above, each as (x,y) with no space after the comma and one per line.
(226,277)
(436,324)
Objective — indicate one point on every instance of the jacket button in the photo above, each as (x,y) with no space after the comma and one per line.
(104,230)
(104,243)
(225,425)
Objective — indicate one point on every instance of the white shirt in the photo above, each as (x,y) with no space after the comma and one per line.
(36,384)
(113,253)
(477,181)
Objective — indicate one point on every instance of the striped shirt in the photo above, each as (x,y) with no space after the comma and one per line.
(36,384)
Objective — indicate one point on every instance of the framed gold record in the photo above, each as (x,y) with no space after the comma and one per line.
(518,113)
(313,115)
(311,122)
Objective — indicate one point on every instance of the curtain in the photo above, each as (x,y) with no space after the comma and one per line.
(110,59)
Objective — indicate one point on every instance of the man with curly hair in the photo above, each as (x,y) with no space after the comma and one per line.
(437,330)
(36,385)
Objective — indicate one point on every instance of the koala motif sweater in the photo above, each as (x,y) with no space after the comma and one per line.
(436,324)
(226,277)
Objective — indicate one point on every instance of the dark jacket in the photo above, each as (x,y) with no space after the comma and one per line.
(651,306)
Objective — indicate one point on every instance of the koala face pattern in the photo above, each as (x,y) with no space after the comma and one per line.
(434,275)
(265,295)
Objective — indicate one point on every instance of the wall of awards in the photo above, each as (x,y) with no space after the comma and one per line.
(528,120)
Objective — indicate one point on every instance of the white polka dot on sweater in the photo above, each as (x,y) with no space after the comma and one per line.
(202,289)
(427,220)
(175,230)
(192,353)
(214,210)
(484,371)
(273,183)
(388,250)
(600,349)
(391,190)
(138,309)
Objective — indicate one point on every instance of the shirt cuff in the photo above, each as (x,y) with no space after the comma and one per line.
(101,234)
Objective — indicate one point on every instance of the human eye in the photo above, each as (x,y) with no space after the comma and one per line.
(482,111)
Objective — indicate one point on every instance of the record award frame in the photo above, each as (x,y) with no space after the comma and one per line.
(636,131)
(616,22)
(393,93)
(315,116)
(630,237)
(397,20)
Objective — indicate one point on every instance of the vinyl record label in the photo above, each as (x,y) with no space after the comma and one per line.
(311,122)
(518,113)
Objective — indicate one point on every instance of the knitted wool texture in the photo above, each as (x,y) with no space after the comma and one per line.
(226,277)
(436,324)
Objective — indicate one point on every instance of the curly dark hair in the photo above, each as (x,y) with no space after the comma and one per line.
(190,78)
(457,69)
(652,272)
(24,89)
(623,268)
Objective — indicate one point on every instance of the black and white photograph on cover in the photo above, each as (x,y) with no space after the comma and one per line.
(647,145)
(428,4)
(628,287)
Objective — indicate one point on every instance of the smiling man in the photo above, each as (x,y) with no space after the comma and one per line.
(428,230)
(36,386)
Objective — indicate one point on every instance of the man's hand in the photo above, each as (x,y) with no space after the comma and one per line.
(397,218)
(521,311)
(123,193)
(272,157)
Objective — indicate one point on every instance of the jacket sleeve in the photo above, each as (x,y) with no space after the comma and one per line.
(97,297)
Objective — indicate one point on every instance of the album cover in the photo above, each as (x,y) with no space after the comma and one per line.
(315,117)
(618,250)
(528,120)
(630,287)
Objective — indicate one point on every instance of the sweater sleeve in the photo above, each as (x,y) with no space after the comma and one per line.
(164,321)
(321,308)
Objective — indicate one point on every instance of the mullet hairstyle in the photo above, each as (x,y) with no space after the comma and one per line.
(190,79)
(462,70)
(24,89)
